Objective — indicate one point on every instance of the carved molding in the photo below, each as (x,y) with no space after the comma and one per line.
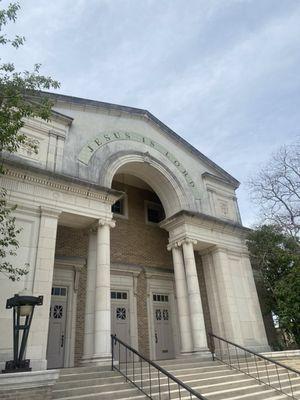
(60,186)
(179,243)
(110,222)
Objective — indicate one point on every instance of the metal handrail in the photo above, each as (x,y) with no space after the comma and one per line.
(181,387)
(235,362)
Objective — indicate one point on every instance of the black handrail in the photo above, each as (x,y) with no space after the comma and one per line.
(135,374)
(237,357)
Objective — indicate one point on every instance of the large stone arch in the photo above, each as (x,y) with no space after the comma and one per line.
(142,165)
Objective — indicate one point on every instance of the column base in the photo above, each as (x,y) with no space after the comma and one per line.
(97,360)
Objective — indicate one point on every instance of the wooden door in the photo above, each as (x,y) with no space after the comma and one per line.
(163,333)
(57,328)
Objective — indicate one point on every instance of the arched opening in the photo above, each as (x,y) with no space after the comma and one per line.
(158,177)
(139,245)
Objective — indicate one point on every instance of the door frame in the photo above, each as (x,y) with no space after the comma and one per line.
(161,282)
(67,303)
(66,273)
(124,279)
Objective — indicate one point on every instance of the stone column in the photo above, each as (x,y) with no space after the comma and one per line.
(102,327)
(182,300)
(41,285)
(88,345)
(195,303)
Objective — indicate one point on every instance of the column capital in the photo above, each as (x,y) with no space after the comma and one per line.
(102,222)
(172,245)
(187,240)
(178,243)
(110,222)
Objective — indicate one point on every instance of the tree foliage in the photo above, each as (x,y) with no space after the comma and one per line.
(276,258)
(21,97)
(276,189)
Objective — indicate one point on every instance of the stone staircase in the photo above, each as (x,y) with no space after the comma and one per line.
(93,383)
(213,380)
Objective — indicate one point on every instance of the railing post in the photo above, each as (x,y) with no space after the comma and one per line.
(112,352)
(212,346)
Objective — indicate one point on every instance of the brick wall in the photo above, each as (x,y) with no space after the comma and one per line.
(135,242)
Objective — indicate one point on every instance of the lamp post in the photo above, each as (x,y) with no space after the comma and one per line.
(23,307)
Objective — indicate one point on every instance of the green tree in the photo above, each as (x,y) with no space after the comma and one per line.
(287,293)
(276,258)
(21,96)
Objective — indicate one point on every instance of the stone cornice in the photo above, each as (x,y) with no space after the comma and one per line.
(195,218)
(223,181)
(60,182)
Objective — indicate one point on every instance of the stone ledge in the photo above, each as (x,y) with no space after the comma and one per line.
(284,353)
(28,380)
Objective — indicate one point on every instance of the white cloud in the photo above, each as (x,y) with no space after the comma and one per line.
(223,74)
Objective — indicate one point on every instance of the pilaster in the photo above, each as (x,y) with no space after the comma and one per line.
(41,285)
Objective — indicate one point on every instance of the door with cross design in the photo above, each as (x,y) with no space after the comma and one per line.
(163,333)
(57,328)
(120,323)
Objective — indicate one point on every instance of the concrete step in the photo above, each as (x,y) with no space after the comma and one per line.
(87,375)
(212,379)
(78,370)
(89,382)
(117,389)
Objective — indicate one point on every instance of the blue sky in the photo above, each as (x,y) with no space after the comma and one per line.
(224,74)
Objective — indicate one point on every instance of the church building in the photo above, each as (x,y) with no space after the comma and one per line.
(126,229)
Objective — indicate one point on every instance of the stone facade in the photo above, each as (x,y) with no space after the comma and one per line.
(89,152)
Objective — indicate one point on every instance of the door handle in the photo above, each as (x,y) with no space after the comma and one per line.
(62,340)
(156,338)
